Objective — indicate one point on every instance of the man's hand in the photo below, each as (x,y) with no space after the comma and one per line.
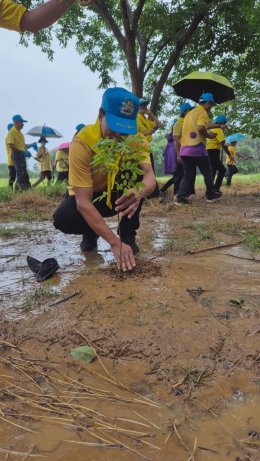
(128,204)
(27,154)
(211,135)
(123,255)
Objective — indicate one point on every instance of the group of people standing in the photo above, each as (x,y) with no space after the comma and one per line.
(196,142)
(18,151)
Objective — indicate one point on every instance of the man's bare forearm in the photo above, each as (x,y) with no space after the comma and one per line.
(44,15)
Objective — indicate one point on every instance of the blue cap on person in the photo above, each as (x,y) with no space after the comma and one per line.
(207,97)
(185,106)
(79,126)
(9,126)
(121,108)
(18,118)
(222,119)
(143,102)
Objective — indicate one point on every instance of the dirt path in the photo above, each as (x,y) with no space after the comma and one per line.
(177,374)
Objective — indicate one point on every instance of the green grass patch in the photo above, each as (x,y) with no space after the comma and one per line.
(240,179)
(14,231)
(6,194)
(35,298)
(253,240)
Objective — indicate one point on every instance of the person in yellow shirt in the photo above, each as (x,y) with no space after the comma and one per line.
(193,150)
(81,212)
(148,124)
(231,161)
(214,147)
(44,158)
(16,143)
(62,164)
(11,168)
(175,162)
(15,16)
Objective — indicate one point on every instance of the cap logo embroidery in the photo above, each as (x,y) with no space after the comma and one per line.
(127,107)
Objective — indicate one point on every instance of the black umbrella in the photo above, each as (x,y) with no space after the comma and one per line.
(193,85)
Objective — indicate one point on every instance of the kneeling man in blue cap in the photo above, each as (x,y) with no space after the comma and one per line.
(80,212)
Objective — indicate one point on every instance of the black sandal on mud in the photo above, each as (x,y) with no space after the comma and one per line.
(42,270)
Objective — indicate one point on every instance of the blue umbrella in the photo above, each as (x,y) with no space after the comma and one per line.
(45,131)
(235,137)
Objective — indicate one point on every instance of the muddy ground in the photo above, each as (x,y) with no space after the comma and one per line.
(176,376)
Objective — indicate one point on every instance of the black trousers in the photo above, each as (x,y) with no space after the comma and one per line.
(175,180)
(217,167)
(63,176)
(188,181)
(68,220)
(231,170)
(12,175)
(22,177)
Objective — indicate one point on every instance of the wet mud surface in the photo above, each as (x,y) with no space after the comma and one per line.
(177,370)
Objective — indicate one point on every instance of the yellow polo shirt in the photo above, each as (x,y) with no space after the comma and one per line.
(190,133)
(144,124)
(177,127)
(233,152)
(216,142)
(16,138)
(45,158)
(82,150)
(9,152)
(11,14)
(62,159)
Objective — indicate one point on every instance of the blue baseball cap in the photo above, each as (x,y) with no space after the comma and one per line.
(121,108)
(207,97)
(185,106)
(9,126)
(18,118)
(143,102)
(79,126)
(220,119)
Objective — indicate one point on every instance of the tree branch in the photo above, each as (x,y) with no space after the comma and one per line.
(180,44)
(100,7)
(163,45)
(136,16)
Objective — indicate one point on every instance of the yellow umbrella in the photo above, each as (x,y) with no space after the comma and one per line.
(193,85)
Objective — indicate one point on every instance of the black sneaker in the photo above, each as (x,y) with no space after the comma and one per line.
(88,242)
(181,201)
(130,240)
(214,197)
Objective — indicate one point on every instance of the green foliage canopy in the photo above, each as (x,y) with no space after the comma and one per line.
(154,43)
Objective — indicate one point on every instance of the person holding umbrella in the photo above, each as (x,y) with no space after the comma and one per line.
(16,142)
(214,150)
(193,150)
(44,157)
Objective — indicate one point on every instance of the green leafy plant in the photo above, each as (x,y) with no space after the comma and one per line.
(120,159)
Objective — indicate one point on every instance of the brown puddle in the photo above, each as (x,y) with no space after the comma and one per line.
(177,376)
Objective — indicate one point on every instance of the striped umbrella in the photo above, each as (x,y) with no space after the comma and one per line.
(45,131)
